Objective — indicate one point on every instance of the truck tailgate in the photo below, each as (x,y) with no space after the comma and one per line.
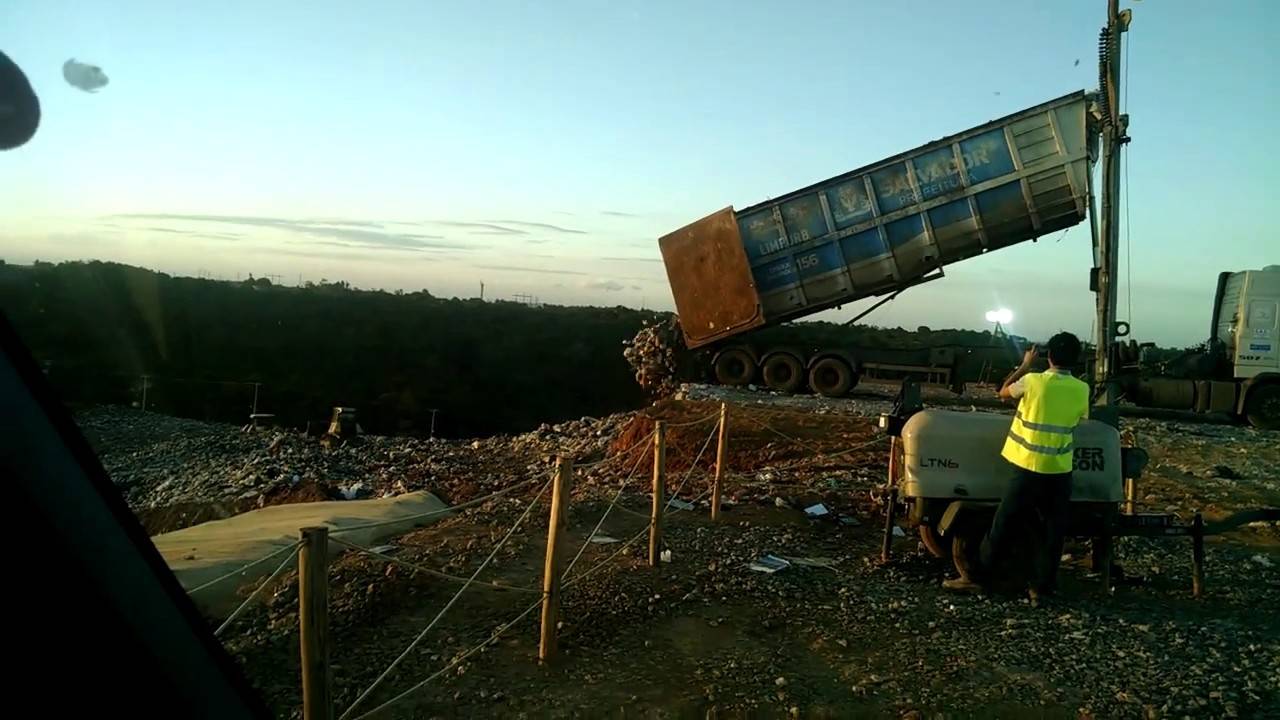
(710,279)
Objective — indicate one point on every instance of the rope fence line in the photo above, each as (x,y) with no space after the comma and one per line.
(253,595)
(458,660)
(641,443)
(435,573)
(242,568)
(612,503)
(434,621)
(554,580)
(433,513)
(694,465)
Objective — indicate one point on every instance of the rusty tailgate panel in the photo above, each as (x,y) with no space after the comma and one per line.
(711,279)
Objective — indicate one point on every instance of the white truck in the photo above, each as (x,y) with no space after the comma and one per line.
(1237,371)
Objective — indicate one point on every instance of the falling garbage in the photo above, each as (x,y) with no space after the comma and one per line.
(88,78)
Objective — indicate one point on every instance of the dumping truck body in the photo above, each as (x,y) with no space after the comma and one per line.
(873,231)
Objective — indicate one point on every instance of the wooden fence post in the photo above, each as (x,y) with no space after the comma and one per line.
(313,623)
(551,569)
(721,447)
(659,490)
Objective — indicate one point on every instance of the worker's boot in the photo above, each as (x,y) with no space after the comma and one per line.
(964,585)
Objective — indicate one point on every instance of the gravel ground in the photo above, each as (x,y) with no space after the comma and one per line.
(704,636)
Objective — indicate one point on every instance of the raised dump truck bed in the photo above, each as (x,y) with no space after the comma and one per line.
(882,227)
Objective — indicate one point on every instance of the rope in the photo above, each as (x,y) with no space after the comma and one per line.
(699,421)
(395,663)
(589,571)
(830,456)
(607,510)
(601,463)
(693,466)
(497,632)
(429,571)
(241,569)
(783,435)
(433,513)
(232,618)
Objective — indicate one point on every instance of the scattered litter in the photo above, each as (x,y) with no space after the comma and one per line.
(384,549)
(355,491)
(849,521)
(604,539)
(665,556)
(818,510)
(899,532)
(779,502)
(84,76)
(1262,560)
(769,564)
(813,562)
(679,504)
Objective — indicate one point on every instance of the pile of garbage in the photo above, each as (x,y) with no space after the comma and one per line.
(159,461)
(654,355)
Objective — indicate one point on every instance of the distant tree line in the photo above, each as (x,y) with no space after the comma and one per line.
(99,328)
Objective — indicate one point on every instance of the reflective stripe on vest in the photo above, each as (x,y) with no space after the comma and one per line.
(1041,434)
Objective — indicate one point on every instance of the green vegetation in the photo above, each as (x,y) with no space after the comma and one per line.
(98,328)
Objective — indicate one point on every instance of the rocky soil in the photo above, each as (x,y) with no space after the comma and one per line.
(705,636)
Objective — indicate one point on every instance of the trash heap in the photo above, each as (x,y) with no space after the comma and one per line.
(655,354)
(159,461)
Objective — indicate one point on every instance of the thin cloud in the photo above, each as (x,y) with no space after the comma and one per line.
(520,268)
(344,223)
(543,226)
(606,285)
(636,287)
(632,259)
(352,232)
(619,213)
(479,228)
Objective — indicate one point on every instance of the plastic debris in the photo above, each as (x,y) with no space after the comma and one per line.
(1262,560)
(899,532)
(604,539)
(665,556)
(679,504)
(818,510)
(769,564)
(88,78)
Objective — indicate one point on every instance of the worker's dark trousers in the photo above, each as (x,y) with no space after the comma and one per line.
(1040,501)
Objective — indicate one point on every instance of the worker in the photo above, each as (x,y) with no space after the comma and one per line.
(1039,446)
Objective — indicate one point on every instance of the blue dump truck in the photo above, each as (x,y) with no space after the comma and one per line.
(873,231)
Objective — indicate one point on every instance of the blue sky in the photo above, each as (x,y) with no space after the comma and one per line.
(543,147)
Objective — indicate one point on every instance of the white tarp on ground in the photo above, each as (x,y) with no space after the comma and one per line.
(203,552)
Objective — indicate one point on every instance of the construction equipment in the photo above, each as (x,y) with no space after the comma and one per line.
(1238,369)
(947,466)
(874,231)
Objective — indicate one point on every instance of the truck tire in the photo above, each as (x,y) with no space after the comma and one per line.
(783,372)
(1262,407)
(938,546)
(734,367)
(964,552)
(832,377)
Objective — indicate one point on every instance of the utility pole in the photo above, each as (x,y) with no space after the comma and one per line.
(146,379)
(1114,126)
(433,421)
(481,291)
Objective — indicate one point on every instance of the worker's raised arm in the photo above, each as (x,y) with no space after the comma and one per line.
(1011,388)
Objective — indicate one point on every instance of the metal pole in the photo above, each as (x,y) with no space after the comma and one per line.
(433,422)
(1115,124)
(886,543)
(1197,556)
(313,623)
(659,488)
(255,397)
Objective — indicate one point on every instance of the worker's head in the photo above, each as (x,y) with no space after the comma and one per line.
(1064,350)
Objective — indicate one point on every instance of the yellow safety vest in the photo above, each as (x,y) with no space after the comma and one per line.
(1040,438)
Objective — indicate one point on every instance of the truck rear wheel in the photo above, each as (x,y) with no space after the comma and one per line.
(938,546)
(783,372)
(1262,407)
(734,367)
(831,377)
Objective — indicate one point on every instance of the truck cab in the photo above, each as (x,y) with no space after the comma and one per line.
(1246,310)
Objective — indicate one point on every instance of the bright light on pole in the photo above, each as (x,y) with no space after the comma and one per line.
(1001,316)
